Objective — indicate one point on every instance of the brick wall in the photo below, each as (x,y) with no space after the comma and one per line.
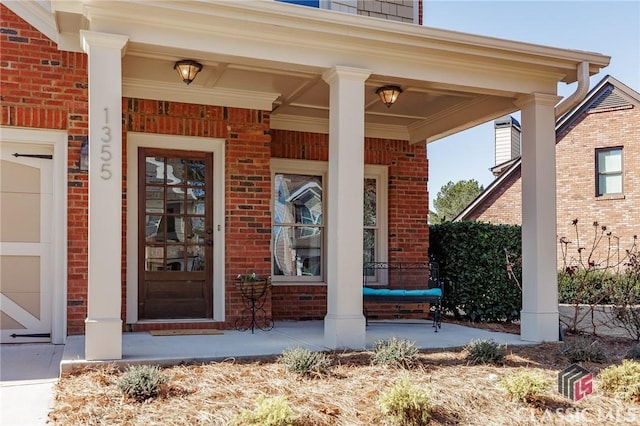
(42,87)
(575,182)
(407,214)
(247,179)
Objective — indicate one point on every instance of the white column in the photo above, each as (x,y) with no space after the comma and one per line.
(344,325)
(103,326)
(539,316)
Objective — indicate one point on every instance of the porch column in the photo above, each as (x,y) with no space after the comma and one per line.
(103,326)
(344,325)
(539,316)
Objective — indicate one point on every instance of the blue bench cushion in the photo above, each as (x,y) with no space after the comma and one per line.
(432,292)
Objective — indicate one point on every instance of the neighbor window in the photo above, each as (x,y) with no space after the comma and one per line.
(298,231)
(608,171)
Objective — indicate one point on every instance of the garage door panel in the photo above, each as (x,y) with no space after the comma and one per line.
(20,274)
(25,243)
(20,217)
(8,323)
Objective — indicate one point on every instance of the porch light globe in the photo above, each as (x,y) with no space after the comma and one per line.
(187,70)
(389,94)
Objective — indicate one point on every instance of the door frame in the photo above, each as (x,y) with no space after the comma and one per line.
(58,140)
(216,146)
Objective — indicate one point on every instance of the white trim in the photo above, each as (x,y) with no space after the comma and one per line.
(320,168)
(145,89)
(148,140)
(58,141)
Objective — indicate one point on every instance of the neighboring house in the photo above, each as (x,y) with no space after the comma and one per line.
(278,158)
(597,172)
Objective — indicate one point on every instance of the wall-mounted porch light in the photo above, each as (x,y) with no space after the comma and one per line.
(187,69)
(84,155)
(389,94)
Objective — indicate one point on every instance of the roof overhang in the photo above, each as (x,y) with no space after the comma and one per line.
(270,56)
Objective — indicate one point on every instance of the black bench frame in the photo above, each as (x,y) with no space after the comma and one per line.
(435,302)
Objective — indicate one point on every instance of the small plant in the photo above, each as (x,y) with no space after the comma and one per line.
(394,352)
(622,380)
(268,412)
(305,362)
(525,386)
(484,351)
(141,382)
(583,349)
(634,353)
(406,404)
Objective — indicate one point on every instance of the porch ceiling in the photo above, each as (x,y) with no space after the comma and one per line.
(271,56)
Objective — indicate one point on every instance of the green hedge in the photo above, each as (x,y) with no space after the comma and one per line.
(473,266)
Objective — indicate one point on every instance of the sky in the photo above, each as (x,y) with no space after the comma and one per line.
(611,28)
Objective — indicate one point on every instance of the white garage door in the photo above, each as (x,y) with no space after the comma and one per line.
(26,249)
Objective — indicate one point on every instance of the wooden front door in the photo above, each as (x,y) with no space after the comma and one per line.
(175,242)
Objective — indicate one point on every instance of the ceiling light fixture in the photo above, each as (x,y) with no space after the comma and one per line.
(389,94)
(187,69)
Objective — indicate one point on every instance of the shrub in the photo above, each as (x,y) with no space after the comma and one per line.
(394,352)
(622,380)
(583,349)
(634,353)
(406,404)
(484,352)
(525,386)
(305,362)
(478,284)
(141,382)
(268,412)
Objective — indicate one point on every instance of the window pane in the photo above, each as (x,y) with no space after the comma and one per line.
(155,199)
(154,228)
(610,161)
(370,196)
(195,201)
(195,258)
(175,200)
(369,245)
(154,258)
(195,171)
(175,258)
(155,170)
(297,251)
(175,171)
(610,184)
(298,199)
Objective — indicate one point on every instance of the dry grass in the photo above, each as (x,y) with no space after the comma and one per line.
(211,394)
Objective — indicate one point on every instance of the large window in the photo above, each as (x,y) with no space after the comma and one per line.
(609,171)
(298,230)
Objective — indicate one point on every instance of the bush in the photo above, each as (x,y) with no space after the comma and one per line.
(634,353)
(305,362)
(394,352)
(622,380)
(141,382)
(583,349)
(406,404)
(473,266)
(484,352)
(268,412)
(525,386)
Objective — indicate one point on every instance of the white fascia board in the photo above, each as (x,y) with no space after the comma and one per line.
(143,89)
(36,15)
(321,125)
(267,30)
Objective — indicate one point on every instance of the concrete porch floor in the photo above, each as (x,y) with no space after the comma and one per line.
(143,348)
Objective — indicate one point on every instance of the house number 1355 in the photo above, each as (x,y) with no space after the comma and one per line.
(105,148)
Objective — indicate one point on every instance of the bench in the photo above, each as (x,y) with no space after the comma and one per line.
(400,283)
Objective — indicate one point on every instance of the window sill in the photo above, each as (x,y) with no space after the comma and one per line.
(610,197)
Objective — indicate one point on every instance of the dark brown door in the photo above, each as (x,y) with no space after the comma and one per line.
(175,234)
